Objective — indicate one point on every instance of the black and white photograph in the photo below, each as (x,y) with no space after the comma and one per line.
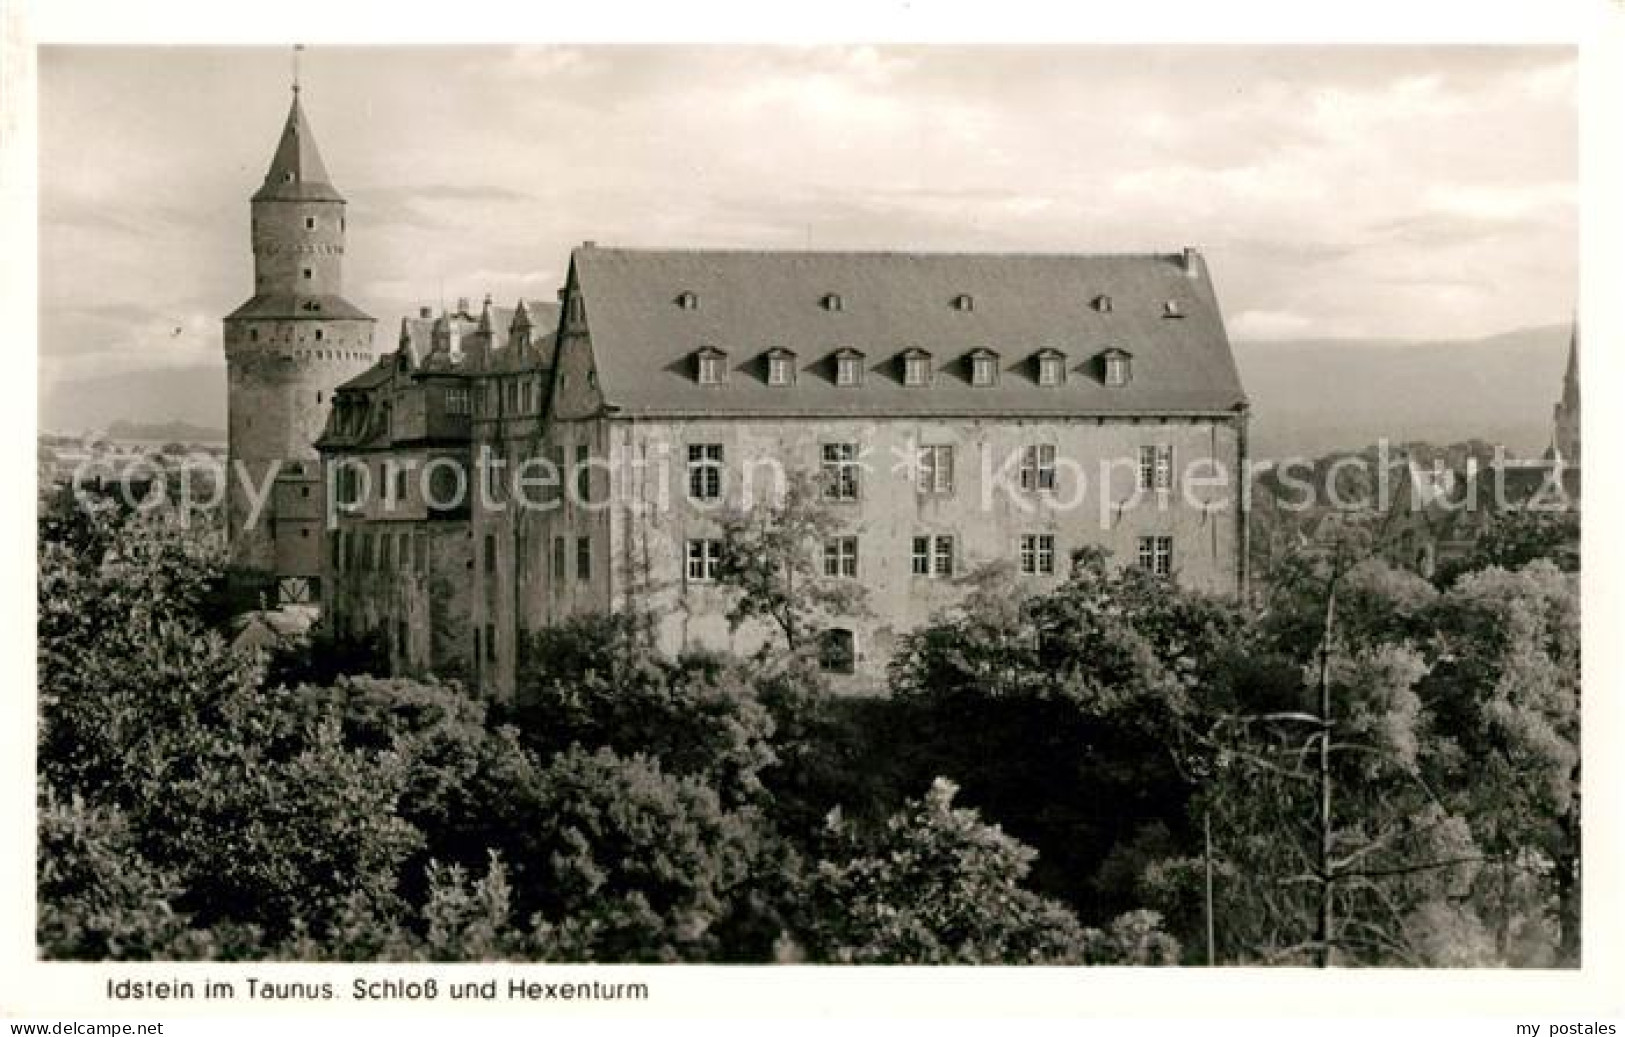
(829,504)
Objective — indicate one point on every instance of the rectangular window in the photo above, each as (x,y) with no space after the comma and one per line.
(336,546)
(1117,371)
(916,369)
(493,478)
(558,559)
(490,553)
(478,641)
(840,471)
(704,556)
(711,370)
(385,561)
(583,558)
(1157,555)
(400,487)
(403,639)
(933,555)
(780,371)
(1038,554)
(366,551)
(420,551)
(1050,370)
(490,642)
(519,556)
(848,370)
(936,473)
(983,370)
(403,550)
(583,475)
(1156,467)
(705,471)
(841,557)
(1038,468)
(457,401)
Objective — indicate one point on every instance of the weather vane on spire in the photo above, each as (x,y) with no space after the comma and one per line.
(297,47)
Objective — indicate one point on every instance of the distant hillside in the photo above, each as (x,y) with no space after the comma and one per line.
(1312,397)
(166,432)
(187,397)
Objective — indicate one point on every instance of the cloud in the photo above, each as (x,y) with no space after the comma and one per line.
(1419,192)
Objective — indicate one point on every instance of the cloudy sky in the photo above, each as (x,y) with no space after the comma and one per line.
(1418,192)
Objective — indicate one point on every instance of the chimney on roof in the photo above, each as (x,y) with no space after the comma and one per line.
(589,244)
(1192,261)
(425,312)
(462,306)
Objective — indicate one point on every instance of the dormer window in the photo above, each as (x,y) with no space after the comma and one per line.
(848,368)
(984,368)
(688,301)
(1051,367)
(781,367)
(964,303)
(1102,304)
(1171,309)
(711,366)
(916,367)
(1116,370)
(833,303)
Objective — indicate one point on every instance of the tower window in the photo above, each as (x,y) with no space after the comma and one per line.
(253,334)
(306,272)
(310,223)
(318,334)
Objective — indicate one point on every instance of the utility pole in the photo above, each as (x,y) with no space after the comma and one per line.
(1323,936)
(1207,862)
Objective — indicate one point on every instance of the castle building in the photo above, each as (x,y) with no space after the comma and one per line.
(960,414)
(286,349)
(398,451)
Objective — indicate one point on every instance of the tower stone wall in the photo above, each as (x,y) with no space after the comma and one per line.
(286,349)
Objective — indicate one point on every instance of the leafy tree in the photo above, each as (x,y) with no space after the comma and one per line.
(935,885)
(1517,537)
(633,864)
(768,556)
(599,682)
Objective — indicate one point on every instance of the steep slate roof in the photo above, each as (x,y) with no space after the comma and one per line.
(751,302)
(417,334)
(296,154)
(288,306)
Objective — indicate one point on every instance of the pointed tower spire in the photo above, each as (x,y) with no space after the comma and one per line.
(297,173)
(485,315)
(521,317)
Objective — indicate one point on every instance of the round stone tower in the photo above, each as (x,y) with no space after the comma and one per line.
(286,349)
